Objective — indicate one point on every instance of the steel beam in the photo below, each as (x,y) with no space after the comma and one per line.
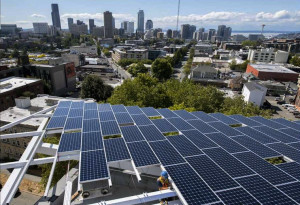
(21,134)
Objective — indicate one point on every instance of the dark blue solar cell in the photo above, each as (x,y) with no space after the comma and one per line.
(141,119)
(110,128)
(166,153)
(225,119)
(90,114)
(90,106)
(75,113)
(184,146)
(267,122)
(106,116)
(202,126)
(142,154)
(203,116)
(275,134)
(131,133)
(225,129)
(69,142)
(292,168)
(256,135)
(61,112)
(134,110)
(116,150)
(164,126)
(118,108)
(56,122)
(212,174)
(297,122)
(237,196)
(291,132)
(166,113)
(286,150)
(228,163)
(91,125)
(185,115)
(123,118)
(191,186)
(245,120)
(180,124)
(270,172)
(65,104)
(287,123)
(199,139)
(228,144)
(73,123)
(292,190)
(150,111)
(263,191)
(151,133)
(295,145)
(93,166)
(104,107)
(77,105)
(91,141)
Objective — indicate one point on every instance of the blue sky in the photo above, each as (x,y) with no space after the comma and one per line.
(278,15)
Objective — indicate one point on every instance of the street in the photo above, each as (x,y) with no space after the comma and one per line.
(280,111)
(124,74)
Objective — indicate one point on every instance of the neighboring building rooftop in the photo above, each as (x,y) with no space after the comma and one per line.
(254,86)
(11,83)
(271,68)
(201,59)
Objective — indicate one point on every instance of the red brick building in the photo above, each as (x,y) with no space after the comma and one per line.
(272,72)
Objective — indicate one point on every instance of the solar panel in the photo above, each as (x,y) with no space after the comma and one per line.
(131,133)
(245,120)
(256,147)
(237,196)
(151,133)
(73,123)
(191,186)
(275,134)
(202,126)
(199,139)
(65,104)
(110,128)
(292,168)
(77,105)
(164,126)
(166,153)
(212,174)
(90,106)
(225,119)
(225,129)
(184,146)
(150,111)
(141,120)
(256,135)
(116,150)
(105,107)
(56,122)
(286,150)
(295,145)
(75,113)
(228,144)
(134,110)
(292,190)
(290,132)
(297,121)
(287,123)
(228,163)
(180,124)
(69,142)
(166,113)
(203,116)
(106,116)
(267,122)
(91,125)
(91,141)
(142,154)
(90,114)
(271,173)
(93,166)
(264,192)
(60,112)
(123,118)
(118,108)
(185,115)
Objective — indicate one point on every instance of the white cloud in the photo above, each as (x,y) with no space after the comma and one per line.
(38,16)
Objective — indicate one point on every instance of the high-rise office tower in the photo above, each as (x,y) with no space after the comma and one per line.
(227,33)
(113,23)
(55,16)
(124,25)
(108,27)
(211,33)
(91,25)
(169,33)
(185,31)
(78,22)
(149,24)
(221,30)
(130,27)
(140,20)
(70,22)
(192,30)
(201,29)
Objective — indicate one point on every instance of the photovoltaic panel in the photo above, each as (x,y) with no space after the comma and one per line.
(116,150)
(256,135)
(134,110)
(61,112)
(91,125)
(123,118)
(166,113)
(287,123)
(184,146)
(118,108)
(267,122)
(69,142)
(203,116)
(77,105)
(191,186)
(56,122)
(225,129)
(245,120)
(295,145)
(142,154)
(90,106)
(286,150)
(185,115)
(275,134)
(212,174)
(228,144)
(164,126)
(292,190)
(65,104)
(292,168)
(270,172)
(263,191)
(73,123)
(256,147)
(202,126)
(180,124)
(237,196)
(91,141)
(150,111)
(141,119)
(166,153)
(228,163)
(199,139)
(297,122)
(106,116)
(291,132)
(131,133)
(90,114)
(105,107)
(110,128)
(93,166)
(151,133)
(75,113)
(225,119)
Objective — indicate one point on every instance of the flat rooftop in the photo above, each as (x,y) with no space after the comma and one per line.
(201,59)
(272,68)
(11,83)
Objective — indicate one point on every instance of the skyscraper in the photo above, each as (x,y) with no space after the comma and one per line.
(70,22)
(211,33)
(108,27)
(140,21)
(192,30)
(55,16)
(91,25)
(169,33)
(113,23)
(224,32)
(227,33)
(185,31)
(149,24)
(130,27)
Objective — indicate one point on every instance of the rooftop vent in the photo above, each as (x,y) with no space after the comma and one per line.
(23,102)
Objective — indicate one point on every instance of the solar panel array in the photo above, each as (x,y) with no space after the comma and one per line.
(208,161)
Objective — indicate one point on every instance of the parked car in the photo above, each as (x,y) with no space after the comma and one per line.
(287,106)
(281,102)
(277,98)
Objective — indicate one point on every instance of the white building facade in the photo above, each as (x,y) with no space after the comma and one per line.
(254,93)
(267,55)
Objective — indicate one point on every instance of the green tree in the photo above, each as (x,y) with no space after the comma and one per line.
(15,54)
(161,69)
(106,52)
(137,68)
(295,61)
(93,87)
(250,43)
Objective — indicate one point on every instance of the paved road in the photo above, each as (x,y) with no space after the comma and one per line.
(124,74)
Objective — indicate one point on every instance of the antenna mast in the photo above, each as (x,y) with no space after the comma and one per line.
(178,15)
